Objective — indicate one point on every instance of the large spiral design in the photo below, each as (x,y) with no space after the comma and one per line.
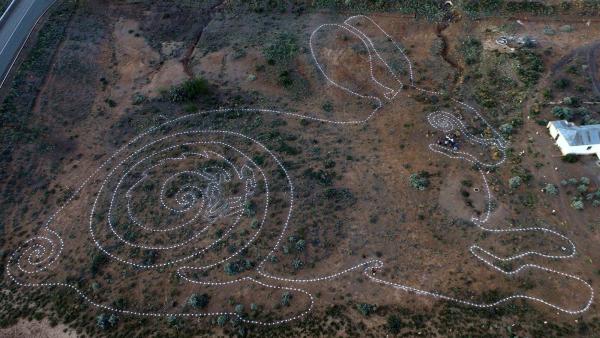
(171,196)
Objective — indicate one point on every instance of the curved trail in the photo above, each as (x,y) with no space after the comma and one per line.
(148,154)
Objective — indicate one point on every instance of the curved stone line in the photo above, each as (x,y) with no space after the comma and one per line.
(37,254)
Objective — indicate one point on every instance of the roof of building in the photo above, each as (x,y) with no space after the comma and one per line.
(578,135)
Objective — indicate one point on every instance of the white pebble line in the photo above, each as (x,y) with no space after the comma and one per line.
(35,252)
(448,122)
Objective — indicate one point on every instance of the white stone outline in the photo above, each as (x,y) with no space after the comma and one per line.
(37,254)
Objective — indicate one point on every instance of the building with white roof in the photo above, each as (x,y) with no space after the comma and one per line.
(573,139)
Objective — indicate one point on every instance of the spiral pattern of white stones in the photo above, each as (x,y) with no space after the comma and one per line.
(204,200)
(204,197)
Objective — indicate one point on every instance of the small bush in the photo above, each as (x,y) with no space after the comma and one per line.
(549,30)
(506,129)
(286,297)
(570,158)
(551,189)
(189,90)
(515,182)
(222,320)
(174,321)
(297,264)
(420,180)
(301,245)
(105,321)
(199,301)
(564,113)
(562,83)
(328,106)
(394,324)
(577,204)
(365,309)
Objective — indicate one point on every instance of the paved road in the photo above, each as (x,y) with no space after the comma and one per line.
(15,27)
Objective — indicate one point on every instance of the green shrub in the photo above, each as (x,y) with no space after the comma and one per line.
(506,129)
(551,189)
(420,180)
(570,158)
(98,260)
(105,321)
(515,182)
(394,324)
(365,309)
(222,320)
(564,113)
(190,90)
(577,203)
(297,264)
(286,297)
(199,301)
(549,30)
(301,245)
(235,267)
(562,83)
